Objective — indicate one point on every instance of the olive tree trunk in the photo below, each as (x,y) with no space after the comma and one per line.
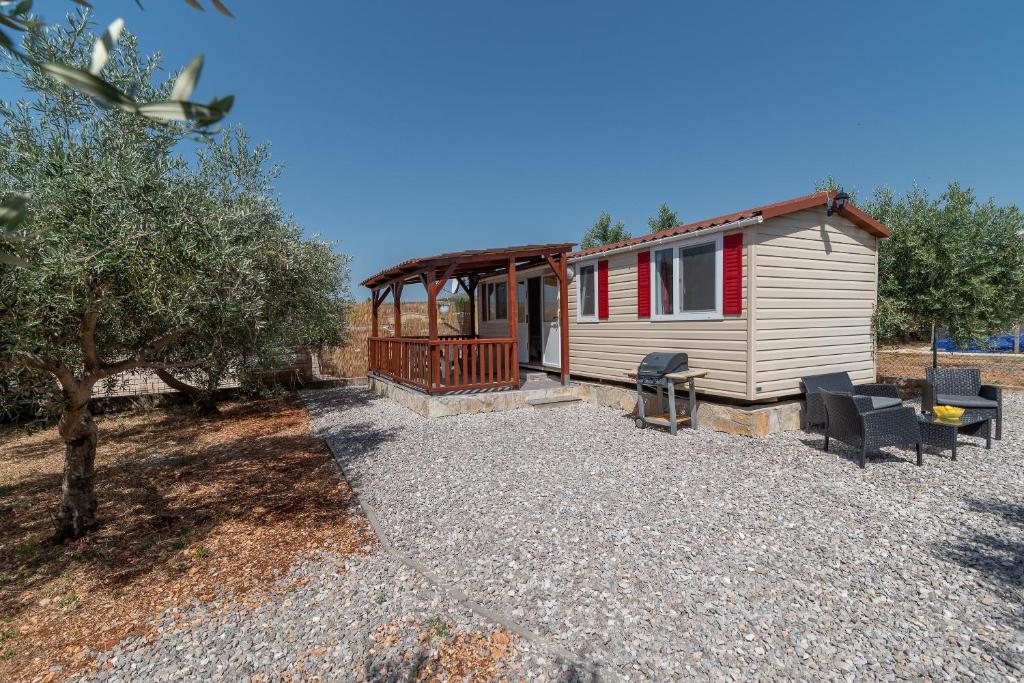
(77,513)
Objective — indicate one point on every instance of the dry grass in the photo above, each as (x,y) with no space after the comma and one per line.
(1005,370)
(350,360)
(189,509)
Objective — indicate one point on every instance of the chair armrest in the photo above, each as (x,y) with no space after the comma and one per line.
(888,390)
(928,397)
(863,404)
(891,426)
(992,392)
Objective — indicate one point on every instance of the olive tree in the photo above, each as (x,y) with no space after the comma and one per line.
(296,289)
(952,261)
(127,259)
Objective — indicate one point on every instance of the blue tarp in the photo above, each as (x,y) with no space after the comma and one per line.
(1001,344)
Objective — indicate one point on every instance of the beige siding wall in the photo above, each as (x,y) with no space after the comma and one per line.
(815,288)
(807,309)
(608,348)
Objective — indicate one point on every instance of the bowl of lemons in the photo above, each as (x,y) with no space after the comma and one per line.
(951,413)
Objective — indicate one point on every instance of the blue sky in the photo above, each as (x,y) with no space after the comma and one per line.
(409,128)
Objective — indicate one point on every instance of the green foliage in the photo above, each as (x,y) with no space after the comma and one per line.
(829,182)
(162,263)
(603,232)
(952,261)
(18,16)
(665,220)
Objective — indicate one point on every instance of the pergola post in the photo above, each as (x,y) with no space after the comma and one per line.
(435,351)
(397,292)
(513,318)
(374,305)
(470,286)
(563,315)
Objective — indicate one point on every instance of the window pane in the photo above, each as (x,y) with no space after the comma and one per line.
(587,291)
(663,295)
(697,281)
(550,299)
(490,301)
(501,296)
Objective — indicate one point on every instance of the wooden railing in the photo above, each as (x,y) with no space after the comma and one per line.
(446,364)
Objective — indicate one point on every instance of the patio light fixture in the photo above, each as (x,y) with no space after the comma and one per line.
(444,307)
(838,203)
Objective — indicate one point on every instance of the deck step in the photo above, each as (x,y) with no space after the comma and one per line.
(552,401)
(537,377)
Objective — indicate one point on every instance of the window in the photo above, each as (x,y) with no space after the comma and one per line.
(586,293)
(664,294)
(495,301)
(686,281)
(697,278)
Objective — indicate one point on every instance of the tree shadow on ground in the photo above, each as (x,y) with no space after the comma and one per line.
(998,556)
(996,551)
(323,402)
(165,487)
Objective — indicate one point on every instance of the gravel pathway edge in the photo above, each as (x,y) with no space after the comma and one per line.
(562,655)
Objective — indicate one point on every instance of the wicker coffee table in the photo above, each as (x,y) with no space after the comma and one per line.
(943,433)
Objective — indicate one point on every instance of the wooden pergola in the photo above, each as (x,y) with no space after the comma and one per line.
(446,363)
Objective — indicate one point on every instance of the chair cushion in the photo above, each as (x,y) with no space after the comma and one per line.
(965,401)
(879,402)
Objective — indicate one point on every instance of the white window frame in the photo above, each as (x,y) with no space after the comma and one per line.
(580,318)
(677,314)
(487,308)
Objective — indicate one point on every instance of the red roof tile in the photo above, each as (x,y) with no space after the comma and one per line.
(851,213)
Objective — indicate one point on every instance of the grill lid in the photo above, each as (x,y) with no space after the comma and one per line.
(663,363)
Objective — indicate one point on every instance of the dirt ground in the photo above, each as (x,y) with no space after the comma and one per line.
(188,508)
(1006,370)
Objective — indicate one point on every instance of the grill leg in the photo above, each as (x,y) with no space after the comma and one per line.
(693,404)
(672,407)
(640,400)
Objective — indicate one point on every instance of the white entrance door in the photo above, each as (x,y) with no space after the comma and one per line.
(552,338)
(523,323)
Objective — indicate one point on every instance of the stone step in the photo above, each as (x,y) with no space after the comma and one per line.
(537,377)
(552,401)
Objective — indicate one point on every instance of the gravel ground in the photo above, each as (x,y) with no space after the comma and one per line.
(648,556)
(355,618)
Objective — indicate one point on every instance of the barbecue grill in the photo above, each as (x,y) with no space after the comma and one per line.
(661,370)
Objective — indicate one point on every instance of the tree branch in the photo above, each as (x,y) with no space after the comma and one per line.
(140,358)
(87,332)
(54,367)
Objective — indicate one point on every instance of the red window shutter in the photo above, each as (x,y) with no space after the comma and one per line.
(643,284)
(732,274)
(602,290)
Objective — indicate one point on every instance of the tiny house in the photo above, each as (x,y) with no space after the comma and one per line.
(758,298)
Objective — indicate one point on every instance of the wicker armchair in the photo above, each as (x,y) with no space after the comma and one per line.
(962,387)
(881,395)
(850,419)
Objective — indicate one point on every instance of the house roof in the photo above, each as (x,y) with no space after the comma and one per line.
(469,262)
(849,212)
